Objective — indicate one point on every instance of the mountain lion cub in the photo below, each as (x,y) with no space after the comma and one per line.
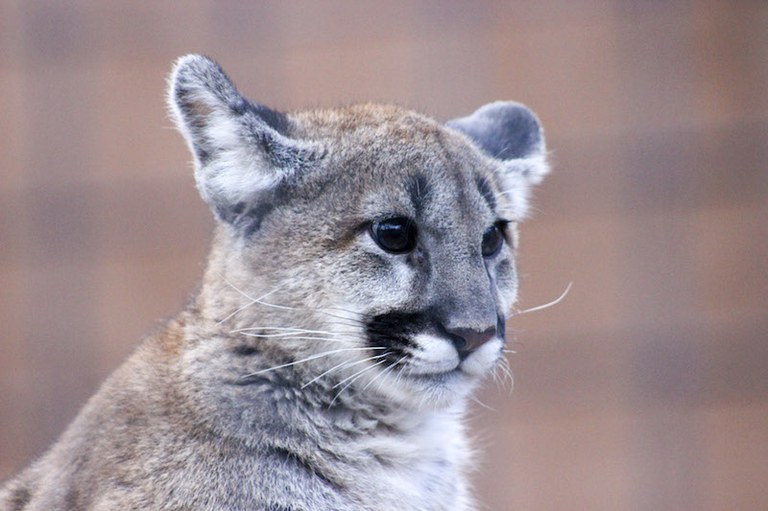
(356,293)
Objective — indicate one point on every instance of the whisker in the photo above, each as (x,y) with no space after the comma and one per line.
(347,323)
(388,369)
(342,320)
(504,366)
(296,333)
(345,320)
(546,305)
(289,335)
(238,311)
(282,329)
(353,315)
(260,300)
(381,374)
(298,336)
(352,379)
(346,364)
(243,293)
(325,310)
(307,359)
(476,400)
(252,301)
(301,338)
(337,366)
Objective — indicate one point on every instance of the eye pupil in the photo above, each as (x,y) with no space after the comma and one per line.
(493,239)
(395,235)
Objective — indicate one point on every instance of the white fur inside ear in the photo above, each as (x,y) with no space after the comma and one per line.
(238,148)
(534,168)
(198,90)
(238,170)
(517,177)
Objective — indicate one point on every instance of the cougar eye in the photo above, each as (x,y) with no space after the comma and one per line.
(493,239)
(395,235)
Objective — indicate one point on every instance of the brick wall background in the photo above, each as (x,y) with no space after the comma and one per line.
(647,388)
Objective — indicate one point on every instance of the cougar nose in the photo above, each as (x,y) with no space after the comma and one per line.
(467,340)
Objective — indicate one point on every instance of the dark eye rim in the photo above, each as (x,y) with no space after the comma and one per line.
(499,226)
(409,223)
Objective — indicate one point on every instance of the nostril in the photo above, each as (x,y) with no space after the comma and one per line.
(467,340)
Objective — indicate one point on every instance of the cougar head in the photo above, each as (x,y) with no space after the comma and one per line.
(378,245)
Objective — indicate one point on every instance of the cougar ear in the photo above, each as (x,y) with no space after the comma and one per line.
(242,151)
(512,134)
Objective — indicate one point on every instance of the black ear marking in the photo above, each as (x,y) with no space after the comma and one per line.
(504,130)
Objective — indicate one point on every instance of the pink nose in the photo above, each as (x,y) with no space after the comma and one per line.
(467,340)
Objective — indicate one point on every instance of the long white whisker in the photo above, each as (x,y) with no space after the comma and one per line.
(337,366)
(380,375)
(353,378)
(298,338)
(282,329)
(319,335)
(346,365)
(329,310)
(252,300)
(546,305)
(227,282)
(307,359)
(259,300)
(504,366)
(361,371)
(476,400)
(238,311)
(294,335)
(347,321)
(256,300)
(340,309)
(275,306)
(388,369)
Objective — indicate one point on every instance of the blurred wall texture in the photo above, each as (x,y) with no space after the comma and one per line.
(647,388)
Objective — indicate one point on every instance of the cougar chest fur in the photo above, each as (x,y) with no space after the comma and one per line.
(356,293)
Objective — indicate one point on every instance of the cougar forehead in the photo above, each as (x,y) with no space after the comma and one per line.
(385,160)
(381,162)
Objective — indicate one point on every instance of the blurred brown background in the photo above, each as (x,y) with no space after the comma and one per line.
(647,388)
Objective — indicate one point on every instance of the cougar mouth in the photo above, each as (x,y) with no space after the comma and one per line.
(416,346)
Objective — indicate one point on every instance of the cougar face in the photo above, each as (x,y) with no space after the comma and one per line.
(426,262)
(386,235)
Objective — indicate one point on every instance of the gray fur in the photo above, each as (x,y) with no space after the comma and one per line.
(504,129)
(313,370)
